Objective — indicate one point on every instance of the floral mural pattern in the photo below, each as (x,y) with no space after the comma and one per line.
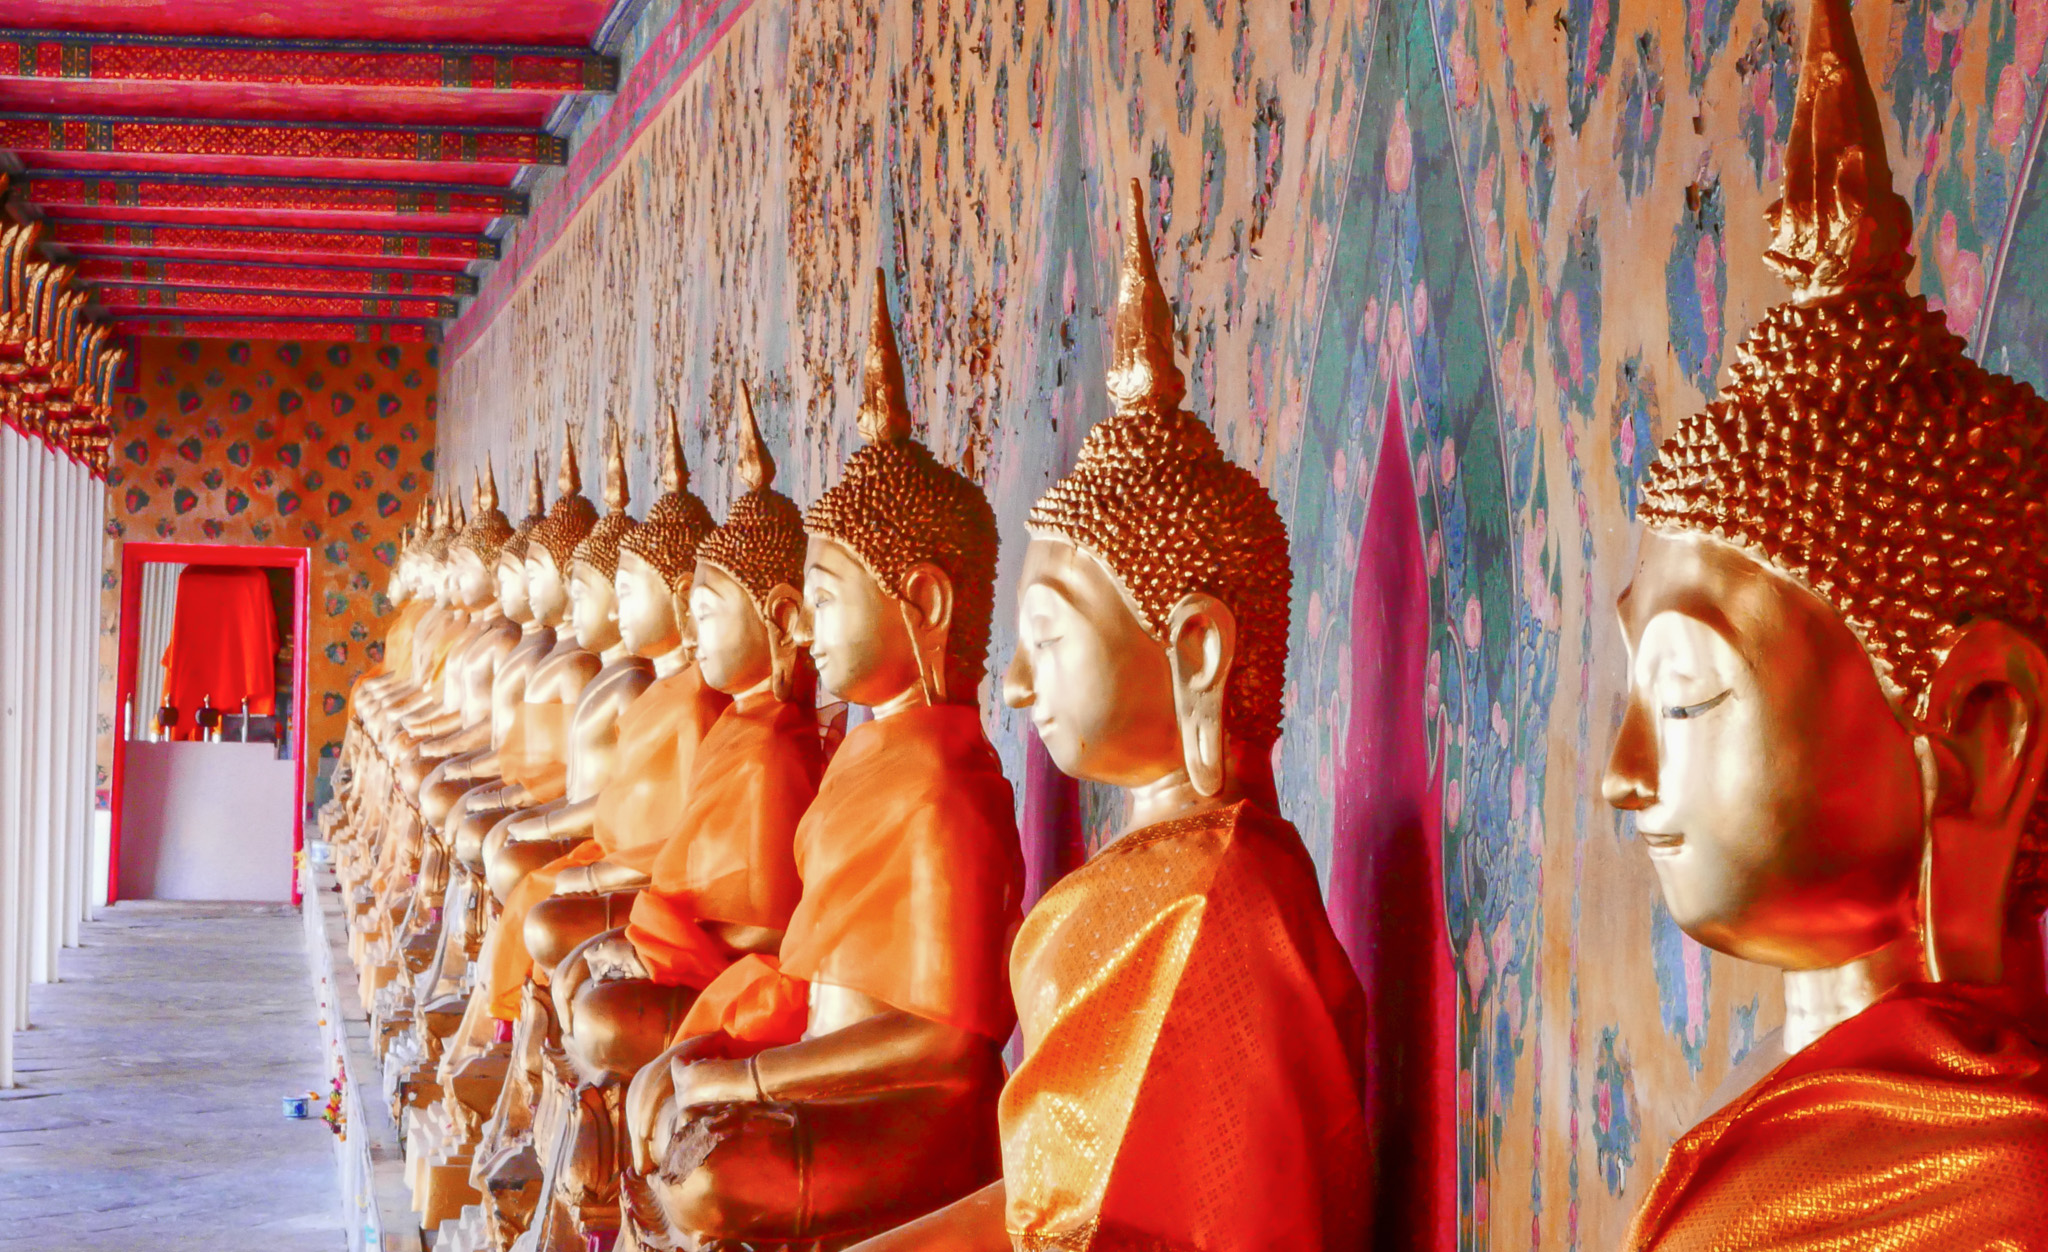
(328,447)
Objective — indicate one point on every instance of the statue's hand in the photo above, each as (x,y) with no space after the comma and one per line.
(714,1080)
(574,881)
(646,1097)
(613,958)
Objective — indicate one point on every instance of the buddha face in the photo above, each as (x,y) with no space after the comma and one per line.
(546,594)
(470,584)
(733,653)
(1099,687)
(858,638)
(646,613)
(1777,791)
(511,575)
(399,589)
(593,608)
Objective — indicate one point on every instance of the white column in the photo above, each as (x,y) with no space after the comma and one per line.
(72,642)
(85,731)
(12,895)
(35,723)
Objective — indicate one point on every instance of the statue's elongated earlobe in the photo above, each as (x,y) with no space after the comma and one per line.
(1201,646)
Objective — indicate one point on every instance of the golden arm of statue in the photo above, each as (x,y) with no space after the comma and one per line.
(599,879)
(460,740)
(975,1223)
(428,724)
(571,820)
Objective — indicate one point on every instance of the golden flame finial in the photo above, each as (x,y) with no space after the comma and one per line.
(1142,373)
(616,493)
(675,471)
(884,409)
(569,481)
(487,488)
(536,500)
(757,465)
(1839,225)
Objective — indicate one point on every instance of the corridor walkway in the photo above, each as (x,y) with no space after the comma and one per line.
(147,1114)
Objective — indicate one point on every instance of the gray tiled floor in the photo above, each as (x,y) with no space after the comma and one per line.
(147,1112)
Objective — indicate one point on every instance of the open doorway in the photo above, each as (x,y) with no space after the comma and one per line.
(208,786)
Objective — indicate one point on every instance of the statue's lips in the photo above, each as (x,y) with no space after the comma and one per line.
(1662,841)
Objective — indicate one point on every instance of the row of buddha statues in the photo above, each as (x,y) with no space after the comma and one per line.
(57,366)
(660,955)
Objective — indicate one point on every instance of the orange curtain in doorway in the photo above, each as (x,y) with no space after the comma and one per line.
(223,645)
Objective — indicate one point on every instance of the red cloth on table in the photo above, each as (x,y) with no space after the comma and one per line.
(223,645)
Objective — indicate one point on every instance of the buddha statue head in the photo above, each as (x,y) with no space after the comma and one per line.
(900,573)
(552,545)
(404,580)
(511,570)
(743,595)
(434,551)
(1152,610)
(593,606)
(475,551)
(1835,727)
(658,558)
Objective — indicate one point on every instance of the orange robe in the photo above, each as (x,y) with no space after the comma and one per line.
(535,754)
(658,738)
(1194,1044)
(912,888)
(1921,1123)
(732,859)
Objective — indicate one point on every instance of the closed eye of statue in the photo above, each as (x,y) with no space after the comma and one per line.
(1685,712)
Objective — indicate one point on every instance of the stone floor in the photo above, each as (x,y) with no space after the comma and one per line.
(147,1115)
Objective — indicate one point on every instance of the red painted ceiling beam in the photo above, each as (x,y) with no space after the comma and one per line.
(284,240)
(271,276)
(303,62)
(347,332)
(336,141)
(123,300)
(299,195)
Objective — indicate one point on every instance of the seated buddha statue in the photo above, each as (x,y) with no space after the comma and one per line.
(636,779)
(393,656)
(590,888)
(529,840)
(1193,1035)
(1835,733)
(848,1083)
(412,909)
(724,884)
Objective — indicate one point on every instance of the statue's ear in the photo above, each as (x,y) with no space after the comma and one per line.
(1985,730)
(686,621)
(783,613)
(925,596)
(1201,645)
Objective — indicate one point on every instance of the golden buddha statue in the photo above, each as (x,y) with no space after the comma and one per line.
(1193,1034)
(1836,729)
(666,718)
(637,812)
(849,1083)
(469,1061)
(725,881)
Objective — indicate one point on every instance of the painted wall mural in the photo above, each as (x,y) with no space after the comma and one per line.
(323,446)
(1446,272)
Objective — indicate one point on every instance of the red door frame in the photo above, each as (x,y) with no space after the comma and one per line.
(134,555)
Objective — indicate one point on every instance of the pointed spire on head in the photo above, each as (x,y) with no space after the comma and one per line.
(1839,224)
(569,482)
(616,493)
(884,408)
(536,498)
(675,471)
(458,516)
(487,489)
(1142,373)
(757,464)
